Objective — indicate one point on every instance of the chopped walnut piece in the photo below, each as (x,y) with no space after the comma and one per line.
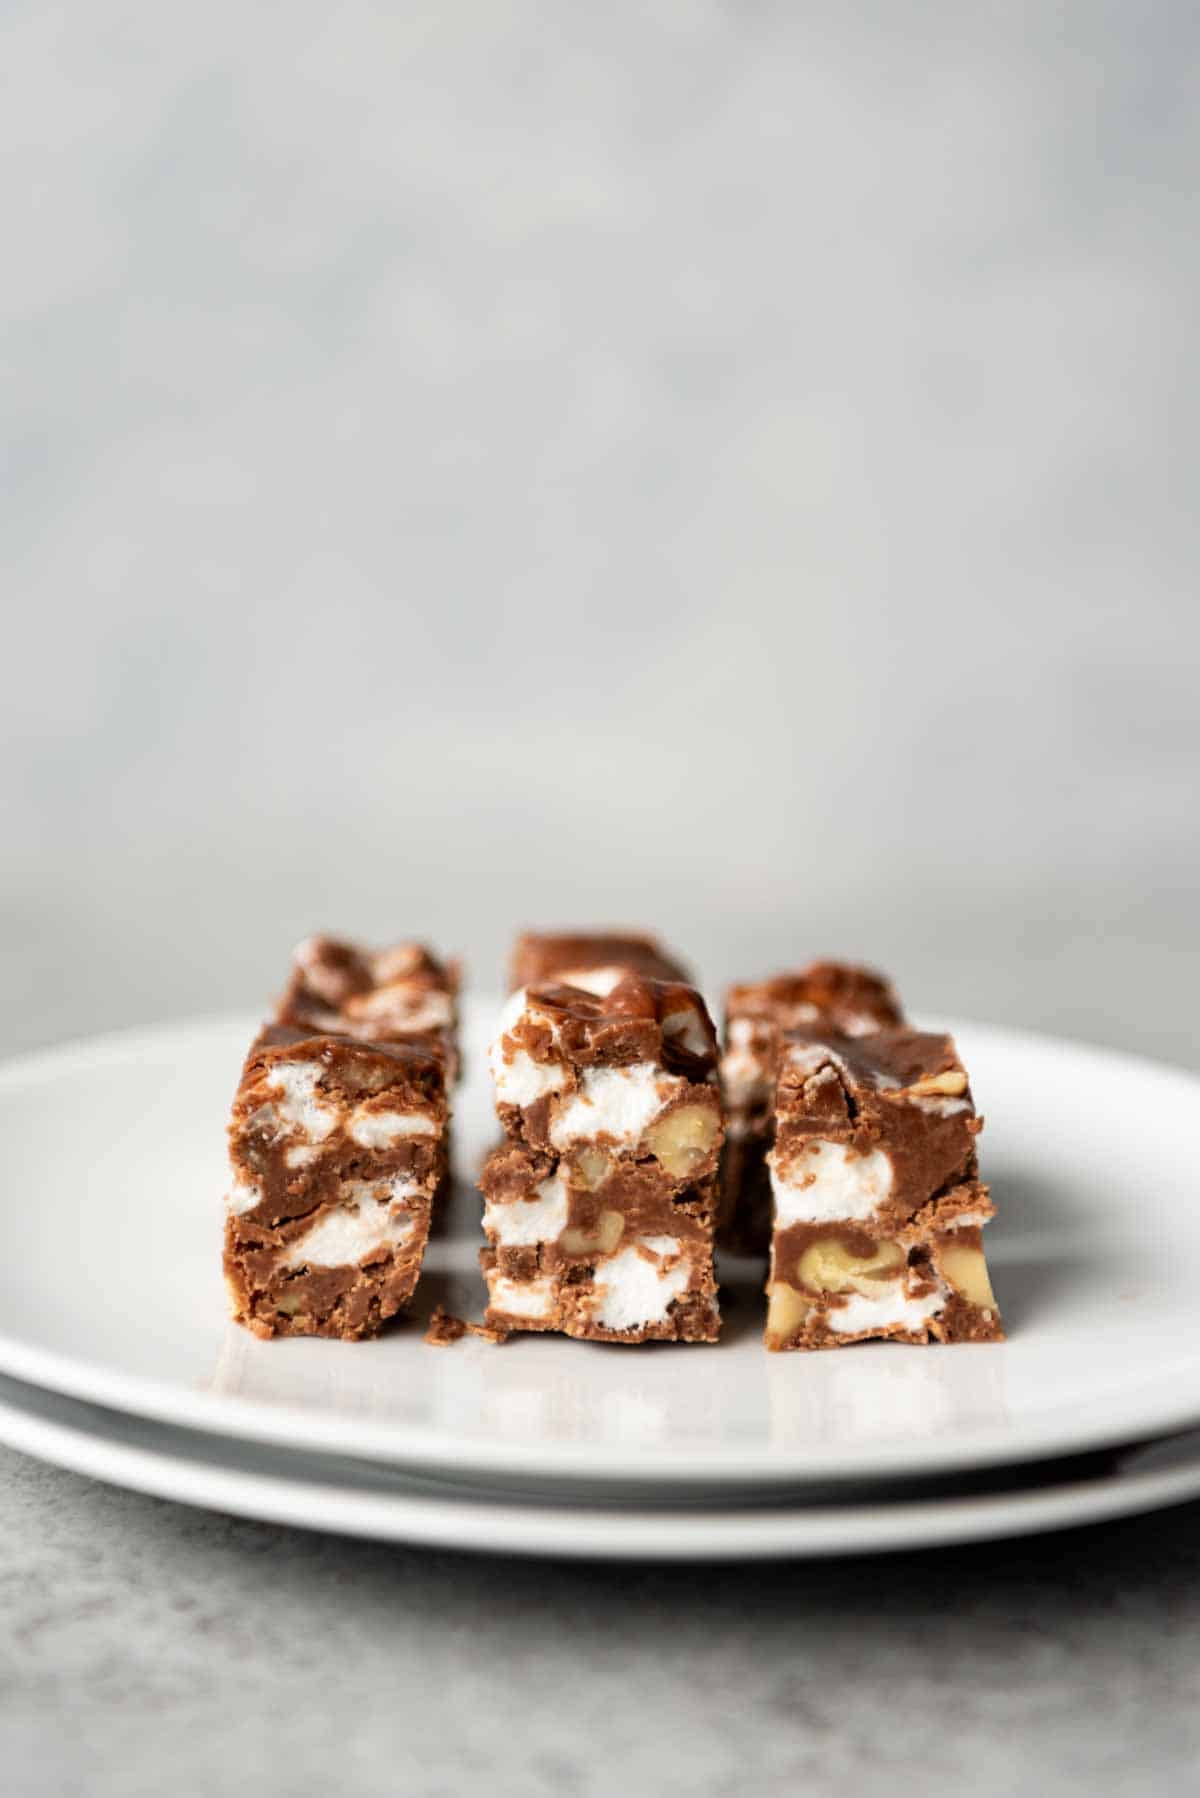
(966,1269)
(610,1226)
(786,1311)
(829,1266)
(951,1085)
(683,1139)
(591,1168)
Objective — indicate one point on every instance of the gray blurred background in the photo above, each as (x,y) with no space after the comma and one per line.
(725,467)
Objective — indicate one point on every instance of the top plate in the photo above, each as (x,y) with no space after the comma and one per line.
(112,1158)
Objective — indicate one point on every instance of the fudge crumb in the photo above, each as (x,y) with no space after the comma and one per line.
(444,1328)
(488,1332)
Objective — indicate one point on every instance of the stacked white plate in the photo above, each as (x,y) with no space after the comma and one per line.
(116,1358)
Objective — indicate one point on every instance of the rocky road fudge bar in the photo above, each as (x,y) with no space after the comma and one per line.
(600,1207)
(853,1001)
(630,1261)
(594,961)
(397,995)
(878,1201)
(338,1148)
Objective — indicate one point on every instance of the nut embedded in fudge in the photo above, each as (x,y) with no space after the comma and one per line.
(595,960)
(836,995)
(337,1149)
(397,995)
(878,1203)
(600,1206)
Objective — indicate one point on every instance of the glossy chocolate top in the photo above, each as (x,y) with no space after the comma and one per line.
(855,1000)
(540,956)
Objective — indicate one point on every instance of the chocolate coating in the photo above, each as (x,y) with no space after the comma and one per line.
(839,992)
(400,994)
(542,956)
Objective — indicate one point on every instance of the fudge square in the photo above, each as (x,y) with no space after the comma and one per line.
(878,1202)
(600,1207)
(595,960)
(850,1000)
(399,995)
(337,1149)
(630,1260)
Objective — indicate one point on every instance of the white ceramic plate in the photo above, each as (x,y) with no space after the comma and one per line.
(364,1499)
(112,1168)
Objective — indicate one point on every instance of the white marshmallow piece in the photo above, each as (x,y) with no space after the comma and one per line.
(299,1104)
(829,1183)
(521,1080)
(521,1298)
(614,1102)
(687,1027)
(894,1307)
(380,1129)
(539,1219)
(243,1195)
(373,1217)
(633,1290)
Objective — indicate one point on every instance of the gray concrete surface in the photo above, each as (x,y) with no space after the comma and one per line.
(147,1648)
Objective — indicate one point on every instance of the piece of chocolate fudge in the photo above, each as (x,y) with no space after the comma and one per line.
(594,961)
(600,1205)
(853,1001)
(397,995)
(337,1149)
(878,1203)
(628,1260)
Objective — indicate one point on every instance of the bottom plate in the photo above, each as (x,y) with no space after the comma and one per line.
(362,1499)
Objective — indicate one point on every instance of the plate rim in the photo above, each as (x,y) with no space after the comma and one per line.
(491,1525)
(416,1446)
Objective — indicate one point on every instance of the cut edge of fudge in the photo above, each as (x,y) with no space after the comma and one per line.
(627,1260)
(878,1202)
(338,1152)
(600,1202)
